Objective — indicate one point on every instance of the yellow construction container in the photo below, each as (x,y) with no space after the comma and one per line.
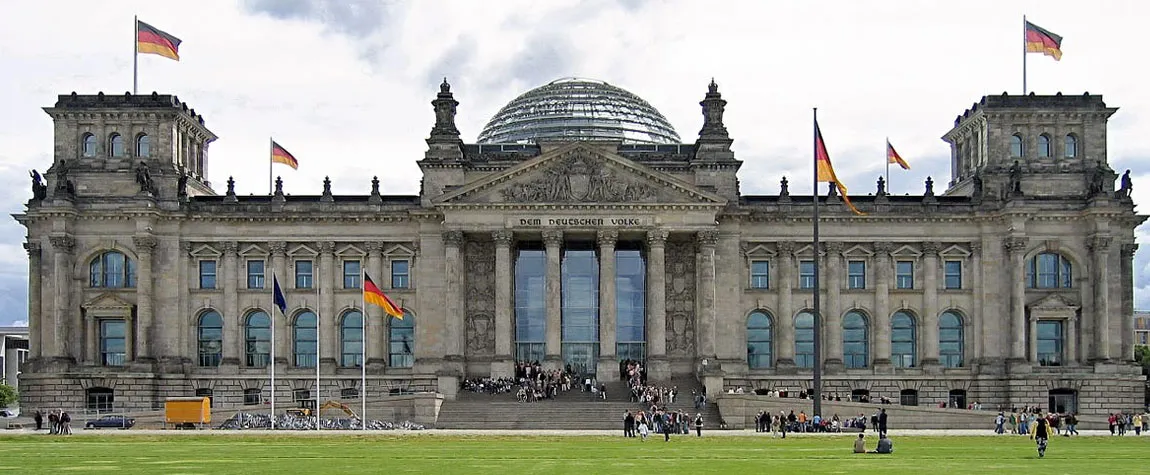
(187,412)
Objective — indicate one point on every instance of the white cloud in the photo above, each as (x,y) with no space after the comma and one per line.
(346,86)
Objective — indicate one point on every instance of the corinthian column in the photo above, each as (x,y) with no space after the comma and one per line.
(1016,249)
(278,250)
(881,328)
(63,329)
(233,321)
(453,305)
(375,320)
(1127,263)
(833,355)
(145,247)
(658,366)
(324,280)
(35,348)
(929,320)
(553,243)
(1099,251)
(607,369)
(502,367)
(705,327)
(786,317)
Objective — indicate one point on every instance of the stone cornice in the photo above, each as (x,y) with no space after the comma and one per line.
(583,206)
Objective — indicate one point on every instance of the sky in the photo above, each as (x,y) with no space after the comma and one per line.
(346,85)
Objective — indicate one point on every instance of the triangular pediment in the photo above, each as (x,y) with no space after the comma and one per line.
(760,250)
(582,174)
(106,302)
(1054,302)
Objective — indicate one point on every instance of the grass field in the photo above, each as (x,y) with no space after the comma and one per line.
(507,455)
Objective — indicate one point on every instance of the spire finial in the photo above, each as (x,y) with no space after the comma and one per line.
(445,87)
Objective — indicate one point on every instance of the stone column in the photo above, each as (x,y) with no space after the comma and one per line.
(453,301)
(326,282)
(884,269)
(376,320)
(658,368)
(503,366)
(553,243)
(63,328)
(233,321)
(785,342)
(608,366)
(1100,255)
(705,327)
(1127,263)
(833,282)
(284,323)
(187,347)
(972,324)
(35,348)
(145,247)
(928,335)
(1016,249)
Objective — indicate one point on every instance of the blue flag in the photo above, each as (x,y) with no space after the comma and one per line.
(278,297)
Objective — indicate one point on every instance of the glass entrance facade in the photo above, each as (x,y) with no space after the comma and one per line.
(580,289)
(630,303)
(530,303)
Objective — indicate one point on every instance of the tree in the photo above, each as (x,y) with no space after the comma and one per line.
(7,395)
(1142,357)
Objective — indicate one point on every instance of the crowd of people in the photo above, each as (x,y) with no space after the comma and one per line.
(59,422)
(531,383)
(660,421)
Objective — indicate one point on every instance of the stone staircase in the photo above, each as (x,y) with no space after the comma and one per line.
(571,410)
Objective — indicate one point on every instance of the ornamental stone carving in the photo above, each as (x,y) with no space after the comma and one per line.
(680,292)
(656,237)
(479,274)
(374,247)
(607,237)
(144,244)
(326,247)
(580,179)
(277,248)
(931,248)
(786,247)
(503,238)
(33,249)
(1128,250)
(62,243)
(1015,244)
(882,248)
(552,238)
(453,238)
(976,247)
(231,248)
(1099,243)
(833,247)
(707,238)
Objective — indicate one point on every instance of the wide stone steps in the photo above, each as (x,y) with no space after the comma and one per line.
(550,414)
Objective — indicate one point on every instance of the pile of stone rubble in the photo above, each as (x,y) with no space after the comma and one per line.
(244,420)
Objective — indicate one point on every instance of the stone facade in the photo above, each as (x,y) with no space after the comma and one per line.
(1011,287)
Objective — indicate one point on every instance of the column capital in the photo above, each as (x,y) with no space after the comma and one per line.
(834,247)
(145,244)
(277,248)
(931,248)
(1128,250)
(231,248)
(708,238)
(552,237)
(656,237)
(976,247)
(453,238)
(503,237)
(62,243)
(326,247)
(33,248)
(786,247)
(1014,244)
(1099,243)
(607,237)
(883,248)
(374,247)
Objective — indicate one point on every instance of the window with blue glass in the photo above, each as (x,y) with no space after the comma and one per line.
(401,341)
(806,274)
(580,307)
(856,274)
(257,339)
(112,269)
(902,340)
(805,340)
(530,303)
(952,278)
(759,340)
(303,275)
(950,339)
(207,274)
(400,274)
(255,274)
(1048,270)
(304,340)
(351,339)
(113,342)
(630,302)
(904,274)
(761,274)
(856,349)
(1050,342)
(351,274)
(210,338)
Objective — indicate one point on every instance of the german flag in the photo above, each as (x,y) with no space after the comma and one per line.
(152,40)
(281,155)
(826,173)
(372,295)
(1040,40)
(893,157)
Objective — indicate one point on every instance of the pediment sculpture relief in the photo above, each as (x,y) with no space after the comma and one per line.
(581,180)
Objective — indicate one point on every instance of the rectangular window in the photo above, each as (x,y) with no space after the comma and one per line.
(400,274)
(207,274)
(904,274)
(806,274)
(856,274)
(953,278)
(1050,342)
(303,274)
(256,274)
(112,342)
(760,274)
(351,274)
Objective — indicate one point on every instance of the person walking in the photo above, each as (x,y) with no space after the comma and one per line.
(699,424)
(643,431)
(882,424)
(53,423)
(1041,435)
(39,419)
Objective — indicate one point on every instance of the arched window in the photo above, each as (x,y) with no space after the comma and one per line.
(950,339)
(304,338)
(210,335)
(805,340)
(855,348)
(112,269)
(143,146)
(759,340)
(1071,146)
(1044,146)
(88,145)
(1048,270)
(257,339)
(351,339)
(401,341)
(1016,146)
(116,145)
(902,340)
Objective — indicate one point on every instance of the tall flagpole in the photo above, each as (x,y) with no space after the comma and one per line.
(271,149)
(1024,55)
(272,363)
(318,324)
(363,352)
(886,153)
(135,54)
(818,383)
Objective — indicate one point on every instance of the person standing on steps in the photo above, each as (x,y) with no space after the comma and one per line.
(699,424)
(1041,434)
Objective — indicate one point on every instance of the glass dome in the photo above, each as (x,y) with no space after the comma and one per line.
(578,109)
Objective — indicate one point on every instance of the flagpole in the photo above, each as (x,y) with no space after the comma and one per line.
(887,153)
(272,363)
(816,397)
(271,149)
(318,321)
(1024,54)
(363,352)
(135,54)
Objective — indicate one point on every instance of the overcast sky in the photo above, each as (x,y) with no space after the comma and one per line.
(346,85)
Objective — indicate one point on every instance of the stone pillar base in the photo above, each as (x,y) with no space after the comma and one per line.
(713,384)
(785,366)
(503,367)
(607,368)
(883,367)
(833,366)
(448,387)
(1017,366)
(658,369)
(552,362)
(931,366)
(374,365)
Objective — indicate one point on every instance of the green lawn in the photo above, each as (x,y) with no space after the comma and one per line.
(506,455)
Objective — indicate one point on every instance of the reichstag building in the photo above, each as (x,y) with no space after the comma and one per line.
(581,230)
